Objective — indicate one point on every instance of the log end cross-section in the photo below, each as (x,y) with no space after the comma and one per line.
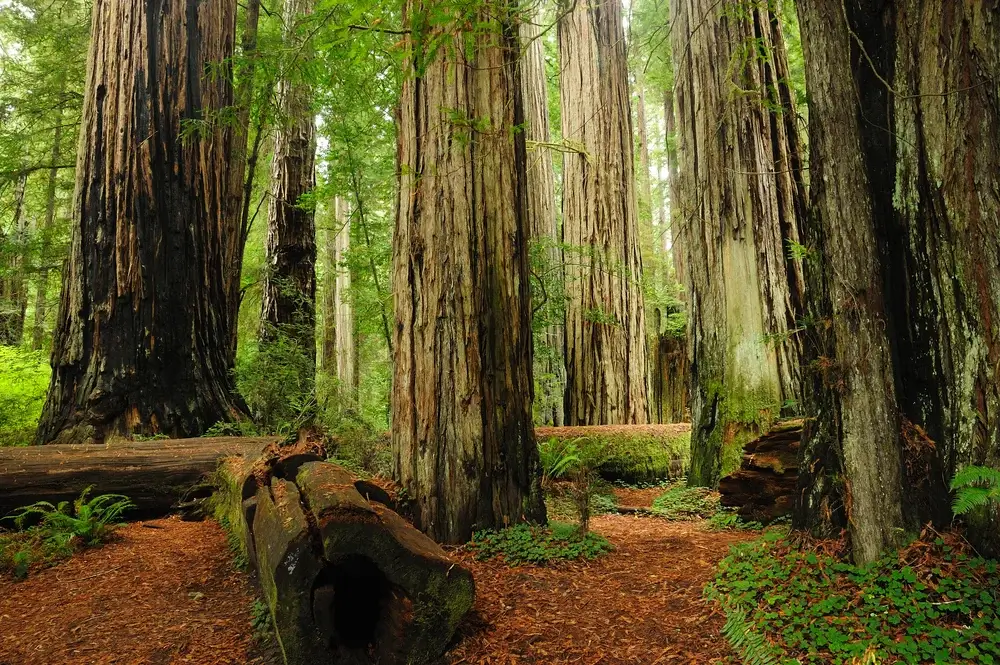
(347,580)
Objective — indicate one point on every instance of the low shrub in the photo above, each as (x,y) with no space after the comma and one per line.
(933,602)
(531,544)
(23,384)
(680,502)
(47,533)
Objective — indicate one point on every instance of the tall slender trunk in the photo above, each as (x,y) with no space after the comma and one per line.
(852,469)
(289,292)
(13,297)
(550,368)
(328,358)
(347,350)
(673,240)
(242,168)
(142,336)
(606,348)
(740,206)
(462,435)
(645,181)
(42,287)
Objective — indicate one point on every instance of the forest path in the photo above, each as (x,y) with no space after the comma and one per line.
(640,605)
(161,592)
(167,592)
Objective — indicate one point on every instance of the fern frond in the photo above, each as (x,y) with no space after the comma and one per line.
(976,475)
(753,648)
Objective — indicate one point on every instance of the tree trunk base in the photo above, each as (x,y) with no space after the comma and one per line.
(763,489)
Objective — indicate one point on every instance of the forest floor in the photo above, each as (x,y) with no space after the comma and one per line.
(167,592)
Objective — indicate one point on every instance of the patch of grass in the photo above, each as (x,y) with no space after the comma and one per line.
(529,544)
(680,502)
(933,602)
(23,384)
(47,533)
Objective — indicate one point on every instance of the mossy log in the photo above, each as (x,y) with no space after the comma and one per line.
(346,579)
(632,453)
(763,488)
(155,475)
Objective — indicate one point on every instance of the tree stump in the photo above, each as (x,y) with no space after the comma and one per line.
(763,488)
(347,580)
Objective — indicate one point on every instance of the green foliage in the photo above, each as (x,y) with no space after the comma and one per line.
(276,380)
(24,381)
(729,520)
(975,488)
(260,621)
(241,560)
(530,544)
(681,502)
(47,532)
(934,602)
(363,451)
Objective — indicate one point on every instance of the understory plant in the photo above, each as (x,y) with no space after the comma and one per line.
(533,544)
(45,532)
(575,461)
(787,602)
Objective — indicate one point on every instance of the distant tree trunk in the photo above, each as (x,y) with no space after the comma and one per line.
(289,299)
(606,349)
(670,374)
(141,343)
(42,288)
(550,368)
(741,203)
(462,436)
(645,182)
(944,250)
(347,350)
(673,241)
(329,354)
(852,470)
(13,297)
(242,168)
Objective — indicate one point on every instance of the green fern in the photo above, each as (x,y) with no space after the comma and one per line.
(88,520)
(975,487)
(754,649)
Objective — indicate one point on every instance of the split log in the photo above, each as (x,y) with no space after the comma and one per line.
(155,475)
(763,488)
(346,579)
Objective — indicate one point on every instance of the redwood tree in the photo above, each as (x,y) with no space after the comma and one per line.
(606,350)
(462,435)
(143,332)
(289,293)
(740,204)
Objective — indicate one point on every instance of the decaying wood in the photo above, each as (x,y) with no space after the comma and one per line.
(347,580)
(764,487)
(155,475)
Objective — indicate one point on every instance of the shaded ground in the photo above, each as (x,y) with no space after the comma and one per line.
(155,595)
(171,595)
(641,605)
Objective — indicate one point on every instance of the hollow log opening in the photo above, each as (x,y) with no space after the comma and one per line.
(355,605)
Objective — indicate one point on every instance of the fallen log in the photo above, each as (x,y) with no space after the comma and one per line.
(632,453)
(155,475)
(346,579)
(763,488)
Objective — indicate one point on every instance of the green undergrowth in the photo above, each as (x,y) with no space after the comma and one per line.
(531,544)
(680,503)
(645,459)
(44,534)
(933,602)
(24,379)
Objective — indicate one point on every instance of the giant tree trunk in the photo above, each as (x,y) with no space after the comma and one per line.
(851,471)
(550,368)
(13,297)
(141,344)
(741,202)
(606,348)
(289,298)
(944,250)
(463,443)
